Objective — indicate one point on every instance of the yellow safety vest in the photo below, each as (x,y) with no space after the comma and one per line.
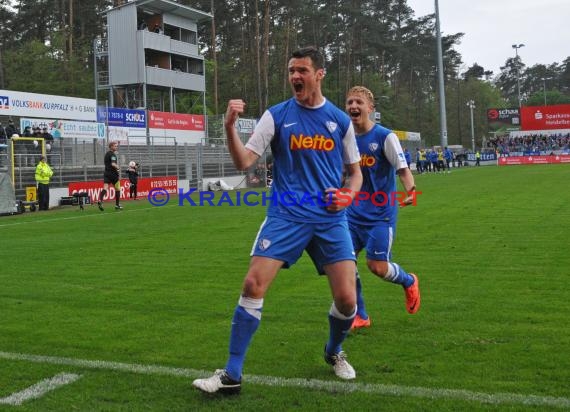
(43,173)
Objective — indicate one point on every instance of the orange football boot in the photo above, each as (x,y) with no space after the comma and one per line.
(358,323)
(412,296)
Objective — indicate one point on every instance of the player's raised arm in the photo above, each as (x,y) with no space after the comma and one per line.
(242,157)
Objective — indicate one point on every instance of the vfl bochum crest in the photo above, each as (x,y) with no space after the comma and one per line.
(331,126)
(264,244)
(373,147)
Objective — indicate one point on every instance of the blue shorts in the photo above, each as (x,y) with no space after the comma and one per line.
(285,240)
(377,240)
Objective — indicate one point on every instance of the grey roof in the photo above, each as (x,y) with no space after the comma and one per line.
(171,7)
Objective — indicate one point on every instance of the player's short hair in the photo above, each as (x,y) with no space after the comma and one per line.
(113,143)
(362,91)
(313,53)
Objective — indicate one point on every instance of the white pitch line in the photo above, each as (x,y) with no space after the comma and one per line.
(39,389)
(327,386)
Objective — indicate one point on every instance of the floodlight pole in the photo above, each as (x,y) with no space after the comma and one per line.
(471,105)
(517,47)
(442,115)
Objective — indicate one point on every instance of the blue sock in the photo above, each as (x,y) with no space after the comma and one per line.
(361,308)
(398,275)
(339,328)
(247,317)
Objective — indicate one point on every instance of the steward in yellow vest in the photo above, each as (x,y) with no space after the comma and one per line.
(43,174)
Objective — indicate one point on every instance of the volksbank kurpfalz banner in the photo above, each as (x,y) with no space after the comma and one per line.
(20,104)
(119,117)
(67,128)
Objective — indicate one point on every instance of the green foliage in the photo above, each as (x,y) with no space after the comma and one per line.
(458,93)
(475,71)
(550,96)
(33,68)
(190,103)
(39,68)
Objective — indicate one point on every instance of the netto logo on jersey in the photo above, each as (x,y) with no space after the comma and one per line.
(316,142)
(367,161)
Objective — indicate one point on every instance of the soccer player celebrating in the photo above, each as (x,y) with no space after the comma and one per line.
(311,140)
(373,227)
(111,176)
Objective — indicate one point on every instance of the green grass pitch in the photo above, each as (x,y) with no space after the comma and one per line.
(138,303)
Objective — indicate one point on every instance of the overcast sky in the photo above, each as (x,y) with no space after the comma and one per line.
(491,27)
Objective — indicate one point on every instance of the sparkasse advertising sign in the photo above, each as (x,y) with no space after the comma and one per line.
(546,117)
(185,128)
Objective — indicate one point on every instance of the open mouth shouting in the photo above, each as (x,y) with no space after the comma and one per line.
(354,114)
(298,87)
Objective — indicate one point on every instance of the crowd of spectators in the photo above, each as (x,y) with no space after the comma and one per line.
(531,143)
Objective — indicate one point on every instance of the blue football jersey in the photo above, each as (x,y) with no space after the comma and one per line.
(309,147)
(381,155)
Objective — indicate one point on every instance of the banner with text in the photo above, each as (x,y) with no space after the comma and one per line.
(127,126)
(185,128)
(533,160)
(94,188)
(503,120)
(485,157)
(546,117)
(44,105)
(67,128)
(246,126)
(116,116)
